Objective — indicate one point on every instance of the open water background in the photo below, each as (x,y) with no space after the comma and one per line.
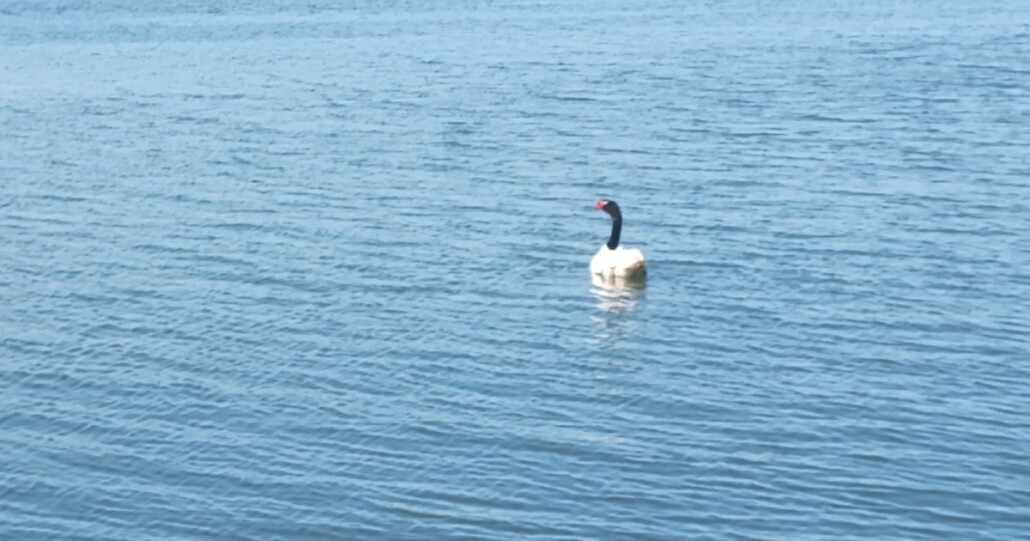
(296,271)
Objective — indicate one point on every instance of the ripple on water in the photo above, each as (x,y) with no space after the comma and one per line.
(323,274)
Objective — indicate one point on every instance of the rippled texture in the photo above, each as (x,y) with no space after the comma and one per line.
(278,272)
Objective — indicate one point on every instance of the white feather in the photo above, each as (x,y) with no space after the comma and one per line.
(618,263)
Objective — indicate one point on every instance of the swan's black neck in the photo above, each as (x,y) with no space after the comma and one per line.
(612,208)
(613,240)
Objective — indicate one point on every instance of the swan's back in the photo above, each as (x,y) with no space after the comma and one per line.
(618,262)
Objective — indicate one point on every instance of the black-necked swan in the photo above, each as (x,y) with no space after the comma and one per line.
(612,260)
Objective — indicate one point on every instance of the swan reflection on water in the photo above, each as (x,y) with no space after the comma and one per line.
(618,301)
(617,294)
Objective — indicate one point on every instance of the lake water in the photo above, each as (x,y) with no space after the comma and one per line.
(288,271)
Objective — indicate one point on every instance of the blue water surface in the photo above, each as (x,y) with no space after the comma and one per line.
(315,270)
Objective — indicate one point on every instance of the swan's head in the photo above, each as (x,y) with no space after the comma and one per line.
(611,207)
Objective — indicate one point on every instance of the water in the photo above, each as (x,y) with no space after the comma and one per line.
(276,271)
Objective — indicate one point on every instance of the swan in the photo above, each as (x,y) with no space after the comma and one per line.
(613,261)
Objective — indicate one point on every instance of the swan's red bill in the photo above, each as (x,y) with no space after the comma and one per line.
(600,204)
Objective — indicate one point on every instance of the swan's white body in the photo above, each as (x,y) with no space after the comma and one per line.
(618,263)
